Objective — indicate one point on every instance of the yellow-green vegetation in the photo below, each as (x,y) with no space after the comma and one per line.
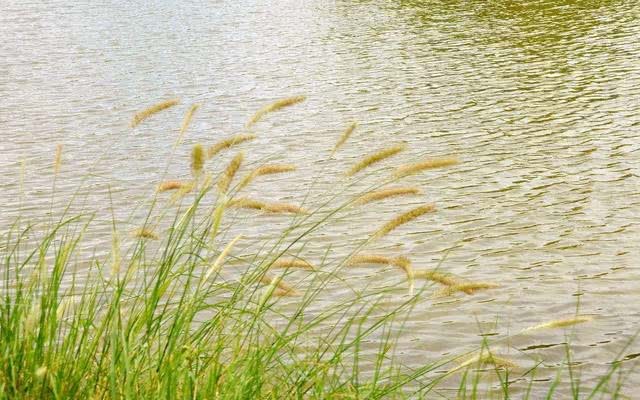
(191,311)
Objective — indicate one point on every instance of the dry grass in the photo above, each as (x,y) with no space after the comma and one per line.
(375,158)
(410,169)
(281,288)
(228,143)
(154,109)
(275,106)
(385,194)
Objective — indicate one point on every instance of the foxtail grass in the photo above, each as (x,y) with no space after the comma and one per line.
(265,170)
(187,121)
(172,185)
(154,109)
(484,359)
(561,323)
(275,106)
(223,254)
(466,287)
(228,143)
(296,263)
(58,159)
(345,136)
(227,177)
(197,159)
(404,219)
(145,233)
(438,277)
(401,262)
(272,208)
(385,194)
(375,158)
(410,169)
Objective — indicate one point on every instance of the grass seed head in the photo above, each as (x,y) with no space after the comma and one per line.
(154,109)
(375,158)
(404,218)
(275,106)
(410,169)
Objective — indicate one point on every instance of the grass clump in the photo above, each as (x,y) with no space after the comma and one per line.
(166,319)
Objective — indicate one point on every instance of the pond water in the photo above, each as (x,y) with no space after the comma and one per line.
(539,99)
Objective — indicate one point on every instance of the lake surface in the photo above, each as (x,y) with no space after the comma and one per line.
(540,100)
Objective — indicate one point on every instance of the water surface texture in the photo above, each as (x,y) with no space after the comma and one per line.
(540,99)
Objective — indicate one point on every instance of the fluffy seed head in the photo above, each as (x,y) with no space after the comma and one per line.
(145,233)
(197,159)
(467,287)
(274,208)
(561,323)
(345,135)
(170,185)
(275,106)
(266,170)
(438,277)
(498,361)
(227,143)
(404,218)
(410,169)
(375,158)
(154,109)
(386,193)
(58,159)
(187,120)
(230,172)
(292,263)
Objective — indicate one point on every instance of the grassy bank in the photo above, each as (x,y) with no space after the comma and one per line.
(181,308)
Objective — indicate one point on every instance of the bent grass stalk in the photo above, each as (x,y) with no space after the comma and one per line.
(401,262)
(483,359)
(375,158)
(228,143)
(154,109)
(275,106)
(223,254)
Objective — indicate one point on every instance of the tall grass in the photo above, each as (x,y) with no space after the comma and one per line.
(163,320)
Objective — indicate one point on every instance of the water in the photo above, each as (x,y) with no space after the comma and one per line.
(541,100)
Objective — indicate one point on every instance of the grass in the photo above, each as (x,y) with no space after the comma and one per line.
(163,319)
